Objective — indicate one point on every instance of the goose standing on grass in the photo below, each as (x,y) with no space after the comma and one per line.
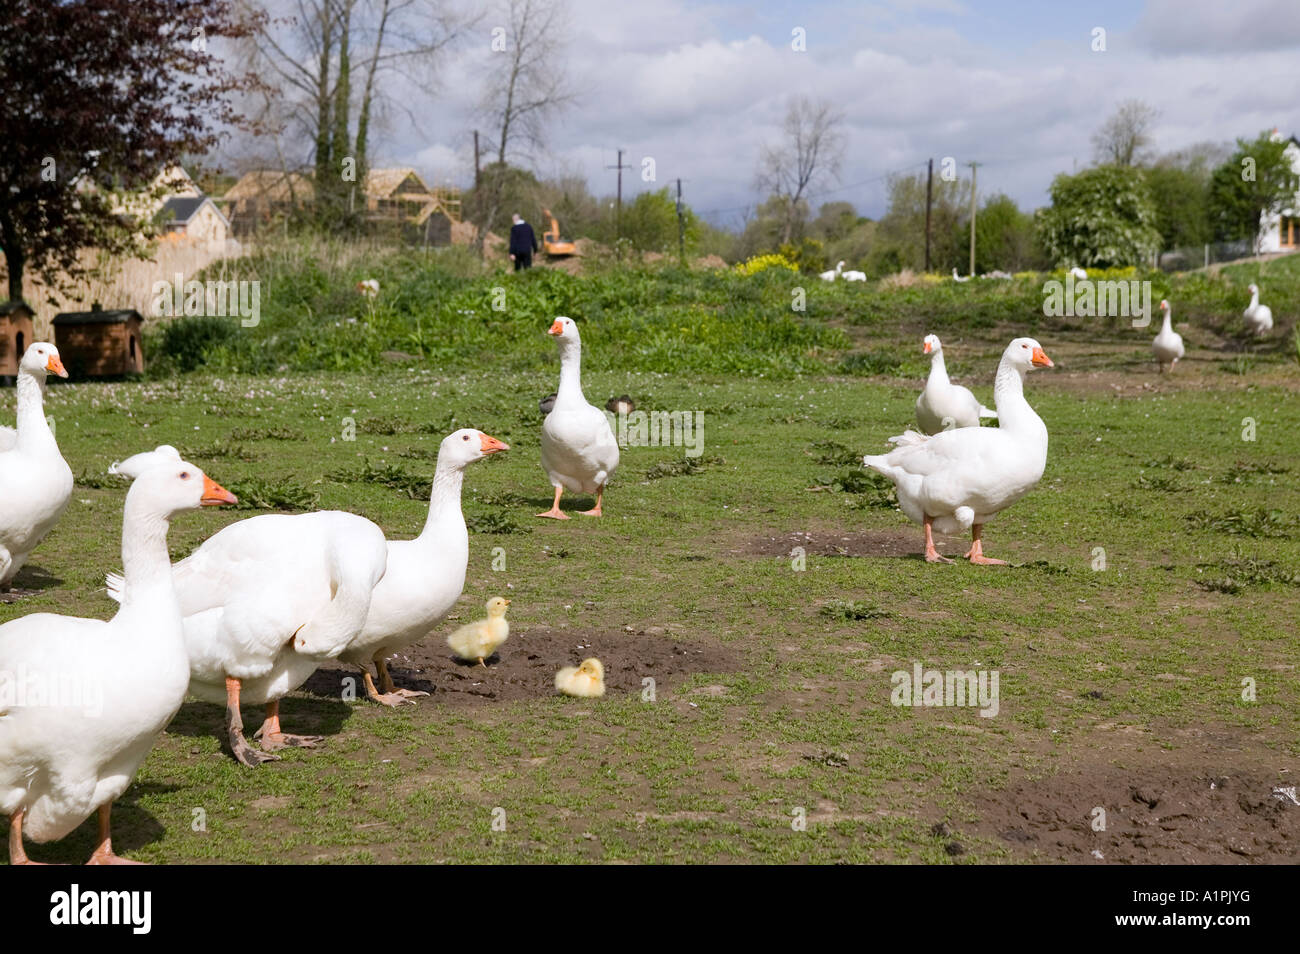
(1168,344)
(579,452)
(960,479)
(425,576)
(855,276)
(1259,318)
(833,274)
(944,405)
(958,278)
(35,480)
(116,684)
(265,601)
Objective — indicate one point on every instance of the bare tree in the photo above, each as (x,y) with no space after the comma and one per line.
(523,91)
(811,148)
(314,55)
(1124,139)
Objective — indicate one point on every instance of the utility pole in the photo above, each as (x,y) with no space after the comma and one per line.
(929,196)
(619,207)
(973,167)
(476,172)
(681,226)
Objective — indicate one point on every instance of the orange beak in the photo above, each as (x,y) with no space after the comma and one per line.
(925,348)
(1041,360)
(214,494)
(490,445)
(55,366)
(556,329)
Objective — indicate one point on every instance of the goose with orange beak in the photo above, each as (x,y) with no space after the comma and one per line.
(35,480)
(579,452)
(425,576)
(958,480)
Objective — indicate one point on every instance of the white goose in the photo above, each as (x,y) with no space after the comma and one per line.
(134,465)
(117,683)
(1259,318)
(1078,272)
(833,273)
(425,576)
(958,480)
(958,278)
(35,480)
(579,452)
(853,276)
(265,601)
(944,405)
(1167,345)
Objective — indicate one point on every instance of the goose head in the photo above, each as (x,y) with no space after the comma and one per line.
(137,464)
(171,487)
(931,345)
(565,331)
(1164,305)
(42,358)
(496,607)
(1253,289)
(1024,354)
(463,447)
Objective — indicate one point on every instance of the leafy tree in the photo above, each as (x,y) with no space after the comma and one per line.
(1181,212)
(1004,238)
(100,94)
(650,223)
(1257,180)
(903,226)
(811,149)
(1100,217)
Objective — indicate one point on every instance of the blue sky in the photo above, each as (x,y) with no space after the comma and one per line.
(700,86)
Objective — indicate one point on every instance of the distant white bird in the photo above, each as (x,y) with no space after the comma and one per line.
(1168,344)
(997,273)
(833,273)
(369,288)
(958,278)
(1078,272)
(855,276)
(1259,318)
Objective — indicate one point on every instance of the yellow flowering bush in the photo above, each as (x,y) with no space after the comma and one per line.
(761,263)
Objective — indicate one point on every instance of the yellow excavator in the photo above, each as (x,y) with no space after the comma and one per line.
(555,246)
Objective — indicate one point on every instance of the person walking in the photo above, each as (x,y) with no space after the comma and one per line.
(523,243)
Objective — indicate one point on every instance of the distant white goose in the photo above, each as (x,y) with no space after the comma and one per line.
(579,452)
(1168,344)
(35,480)
(113,685)
(833,274)
(944,405)
(1078,272)
(958,278)
(1259,318)
(855,276)
(958,480)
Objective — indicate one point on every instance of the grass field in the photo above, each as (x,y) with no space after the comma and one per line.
(1121,687)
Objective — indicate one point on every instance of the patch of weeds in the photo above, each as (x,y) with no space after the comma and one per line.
(1170,462)
(1242,365)
(852,610)
(830,759)
(834,454)
(393,476)
(502,498)
(1162,483)
(96,481)
(1051,569)
(267,434)
(868,363)
(682,467)
(419,453)
(1241,571)
(1220,585)
(790,419)
(1245,469)
(871,491)
(384,425)
(560,553)
(1124,509)
(220,450)
(259,493)
(1244,523)
(495,522)
(837,423)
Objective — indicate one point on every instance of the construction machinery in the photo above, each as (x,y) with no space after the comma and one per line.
(552,244)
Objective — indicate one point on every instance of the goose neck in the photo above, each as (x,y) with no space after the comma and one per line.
(444,498)
(146,565)
(1167,325)
(33,429)
(570,372)
(938,369)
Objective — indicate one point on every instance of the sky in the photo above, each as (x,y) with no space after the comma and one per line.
(1016,86)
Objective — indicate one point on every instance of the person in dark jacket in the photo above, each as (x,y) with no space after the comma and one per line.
(523,243)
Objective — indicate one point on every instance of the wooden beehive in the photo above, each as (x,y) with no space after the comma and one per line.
(99,343)
(15,335)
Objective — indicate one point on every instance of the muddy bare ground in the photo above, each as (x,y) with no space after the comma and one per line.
(1201,808)
(526,665)
(847,543)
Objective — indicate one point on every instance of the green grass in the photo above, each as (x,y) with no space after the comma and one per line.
(1139,661)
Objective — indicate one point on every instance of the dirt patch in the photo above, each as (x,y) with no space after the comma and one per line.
(526,665)
(899,542)
(1153,815)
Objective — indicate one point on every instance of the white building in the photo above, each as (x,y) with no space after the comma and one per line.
(1281,233)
